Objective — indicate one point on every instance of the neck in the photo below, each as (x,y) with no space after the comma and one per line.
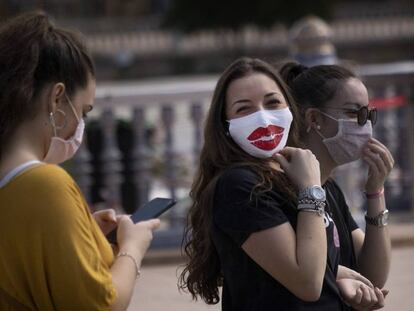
(327,165)
(325,173)
(26,146)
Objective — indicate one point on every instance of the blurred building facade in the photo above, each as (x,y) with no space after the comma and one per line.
(128,41)
(81,8)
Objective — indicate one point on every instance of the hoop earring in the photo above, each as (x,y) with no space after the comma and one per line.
(308,129)
(53,121)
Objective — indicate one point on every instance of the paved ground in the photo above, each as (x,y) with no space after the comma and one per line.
(157,289)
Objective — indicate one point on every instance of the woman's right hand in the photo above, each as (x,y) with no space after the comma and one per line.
(300,165)
(135,238)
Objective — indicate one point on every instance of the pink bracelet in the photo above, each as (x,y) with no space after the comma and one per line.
(374,195)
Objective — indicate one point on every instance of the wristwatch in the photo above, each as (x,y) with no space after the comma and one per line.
(380,220)
(314,193)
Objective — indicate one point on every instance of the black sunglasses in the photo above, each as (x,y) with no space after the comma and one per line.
(363,114)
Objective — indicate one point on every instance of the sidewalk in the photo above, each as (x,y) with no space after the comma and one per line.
(402,234)
(157,288)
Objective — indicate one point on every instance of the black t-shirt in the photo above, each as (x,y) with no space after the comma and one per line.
(237,213)
(344,222)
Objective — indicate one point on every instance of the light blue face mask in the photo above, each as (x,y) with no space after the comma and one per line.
(346,146)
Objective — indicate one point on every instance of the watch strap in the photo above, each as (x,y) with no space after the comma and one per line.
(377,220)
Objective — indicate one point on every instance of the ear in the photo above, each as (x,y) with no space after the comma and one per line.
(57,95)
(313,119)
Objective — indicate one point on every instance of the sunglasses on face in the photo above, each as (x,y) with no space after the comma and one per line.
(363,114)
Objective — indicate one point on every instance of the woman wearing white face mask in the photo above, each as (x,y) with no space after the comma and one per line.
(60,149)
(257,226)
(54,255)
(337,127)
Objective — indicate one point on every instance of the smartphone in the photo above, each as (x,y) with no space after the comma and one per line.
(150,210)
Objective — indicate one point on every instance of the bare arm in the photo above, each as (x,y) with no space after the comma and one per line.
(373,249)
(133,239)
(295,259)
(124,277)
(298,261)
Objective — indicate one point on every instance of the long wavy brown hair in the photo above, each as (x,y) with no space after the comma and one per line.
(202,273)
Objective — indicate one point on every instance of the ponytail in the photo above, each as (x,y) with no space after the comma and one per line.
(34,53)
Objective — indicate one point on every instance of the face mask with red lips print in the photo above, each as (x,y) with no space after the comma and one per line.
(262,133)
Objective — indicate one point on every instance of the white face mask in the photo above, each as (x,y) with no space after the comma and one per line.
(61,150)
(263,133)
(346,146)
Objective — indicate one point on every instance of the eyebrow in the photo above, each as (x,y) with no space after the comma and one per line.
(357,105)
(248,100)
(273,93)
(242,101)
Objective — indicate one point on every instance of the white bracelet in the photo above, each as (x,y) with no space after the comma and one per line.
(125,254)
(319,209)
(311,210)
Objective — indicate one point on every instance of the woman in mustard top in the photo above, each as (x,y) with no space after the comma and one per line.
(54,254)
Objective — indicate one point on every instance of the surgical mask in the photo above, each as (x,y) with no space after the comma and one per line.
(61,150)
(346,146)
(263,133)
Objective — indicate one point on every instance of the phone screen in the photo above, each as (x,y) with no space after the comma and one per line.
(150,210)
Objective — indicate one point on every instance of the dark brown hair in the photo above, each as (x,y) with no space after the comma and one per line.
(34,53)
(201,275)
(313,87)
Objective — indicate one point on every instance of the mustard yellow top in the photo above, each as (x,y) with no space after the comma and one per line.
(53,255)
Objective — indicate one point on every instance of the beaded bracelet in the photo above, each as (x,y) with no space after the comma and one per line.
(125,254)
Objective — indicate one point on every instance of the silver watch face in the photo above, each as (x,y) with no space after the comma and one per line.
(383,219)
(318,193)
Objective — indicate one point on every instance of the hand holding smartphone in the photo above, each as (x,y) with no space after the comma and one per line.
(150,210)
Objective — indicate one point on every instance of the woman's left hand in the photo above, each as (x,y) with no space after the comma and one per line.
(346,273)
(106,220)
(360,296)
(380,161)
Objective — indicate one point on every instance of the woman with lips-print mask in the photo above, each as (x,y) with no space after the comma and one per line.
(257,226)
(336,125)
